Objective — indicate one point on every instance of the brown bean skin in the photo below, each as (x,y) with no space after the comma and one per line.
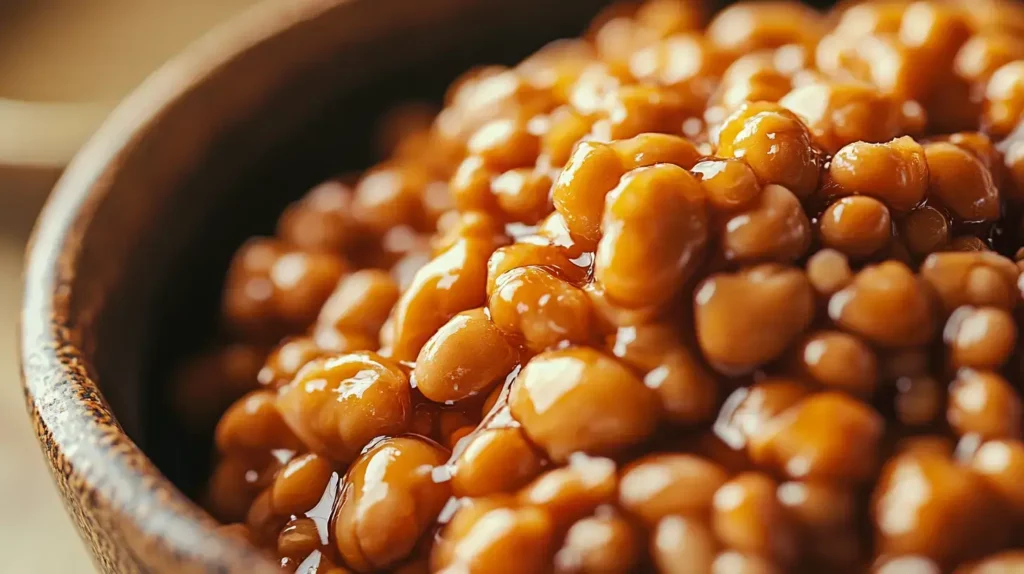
(599,544)
(301,483)
(361,302)
(728,183)
(495,460)
(894,172)
(958,180)
(683,545)
(948,494)
(687,390)
(578,399)
(858,226)
(984,403)
(254,423)
(978,278)
(453,281)
(981,338)
(840,361)
(1001,464)
(661,485)
(336,405)
(746,516)
(774,228)
(571,492)
(534,306)
(749,318)
(464,358)
(774,143)
(388,501)
(579,193)
(885,304)
(468,543)
(826,436)
(654,233)
(839,114)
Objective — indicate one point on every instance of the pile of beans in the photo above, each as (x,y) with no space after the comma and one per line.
(734,296)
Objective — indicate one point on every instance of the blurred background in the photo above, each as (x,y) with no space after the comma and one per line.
(64,64)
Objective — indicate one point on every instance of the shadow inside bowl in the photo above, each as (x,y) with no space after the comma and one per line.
(250,175)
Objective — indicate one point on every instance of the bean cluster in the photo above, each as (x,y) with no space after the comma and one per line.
(732,296)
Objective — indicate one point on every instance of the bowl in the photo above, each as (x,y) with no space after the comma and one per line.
(126,260)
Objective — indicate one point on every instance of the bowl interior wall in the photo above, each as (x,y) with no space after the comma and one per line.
(160,292)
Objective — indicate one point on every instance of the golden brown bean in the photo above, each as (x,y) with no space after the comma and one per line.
(1001,464)
(838,114)
(972,278)
(774,228)
(491,535)
(828,271)
(579,193)
(253,423)
(840,361)
(749,318)
(895,172)
(494,461)
(301,483)
(599,544)
(686,388)
(571,492)
(464,358)
(578,399)
(857,226)
(958,180)
(746,27)
(646,150)
(980,338)
(984,403)
(504,144)
(545,255)
(748,410)
(523,194)
(338,404)
(984,53)
(453,281)
(728,183)
(389,196)
(774,143)
(361,302)
(1004,98)
(532,305)
(655,231)
(683,545)
(321,220)
(827,436)
(660,485)
(925,229)
(286,360)
(746,516)
(886,304)
(918,491)
(389,500)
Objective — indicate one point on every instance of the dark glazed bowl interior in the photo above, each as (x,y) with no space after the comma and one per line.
(128,258)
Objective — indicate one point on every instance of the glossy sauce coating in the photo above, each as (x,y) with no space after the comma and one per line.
(694,293)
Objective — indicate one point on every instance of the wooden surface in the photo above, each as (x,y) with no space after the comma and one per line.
(60,51)
(35,533)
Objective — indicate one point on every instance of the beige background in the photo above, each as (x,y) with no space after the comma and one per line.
(62,51)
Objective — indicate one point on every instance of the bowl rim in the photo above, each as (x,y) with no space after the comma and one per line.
(89,454)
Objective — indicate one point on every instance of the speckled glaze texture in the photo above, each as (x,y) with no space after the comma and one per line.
(97,225)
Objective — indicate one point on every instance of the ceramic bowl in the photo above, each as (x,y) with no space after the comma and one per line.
(127,258)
